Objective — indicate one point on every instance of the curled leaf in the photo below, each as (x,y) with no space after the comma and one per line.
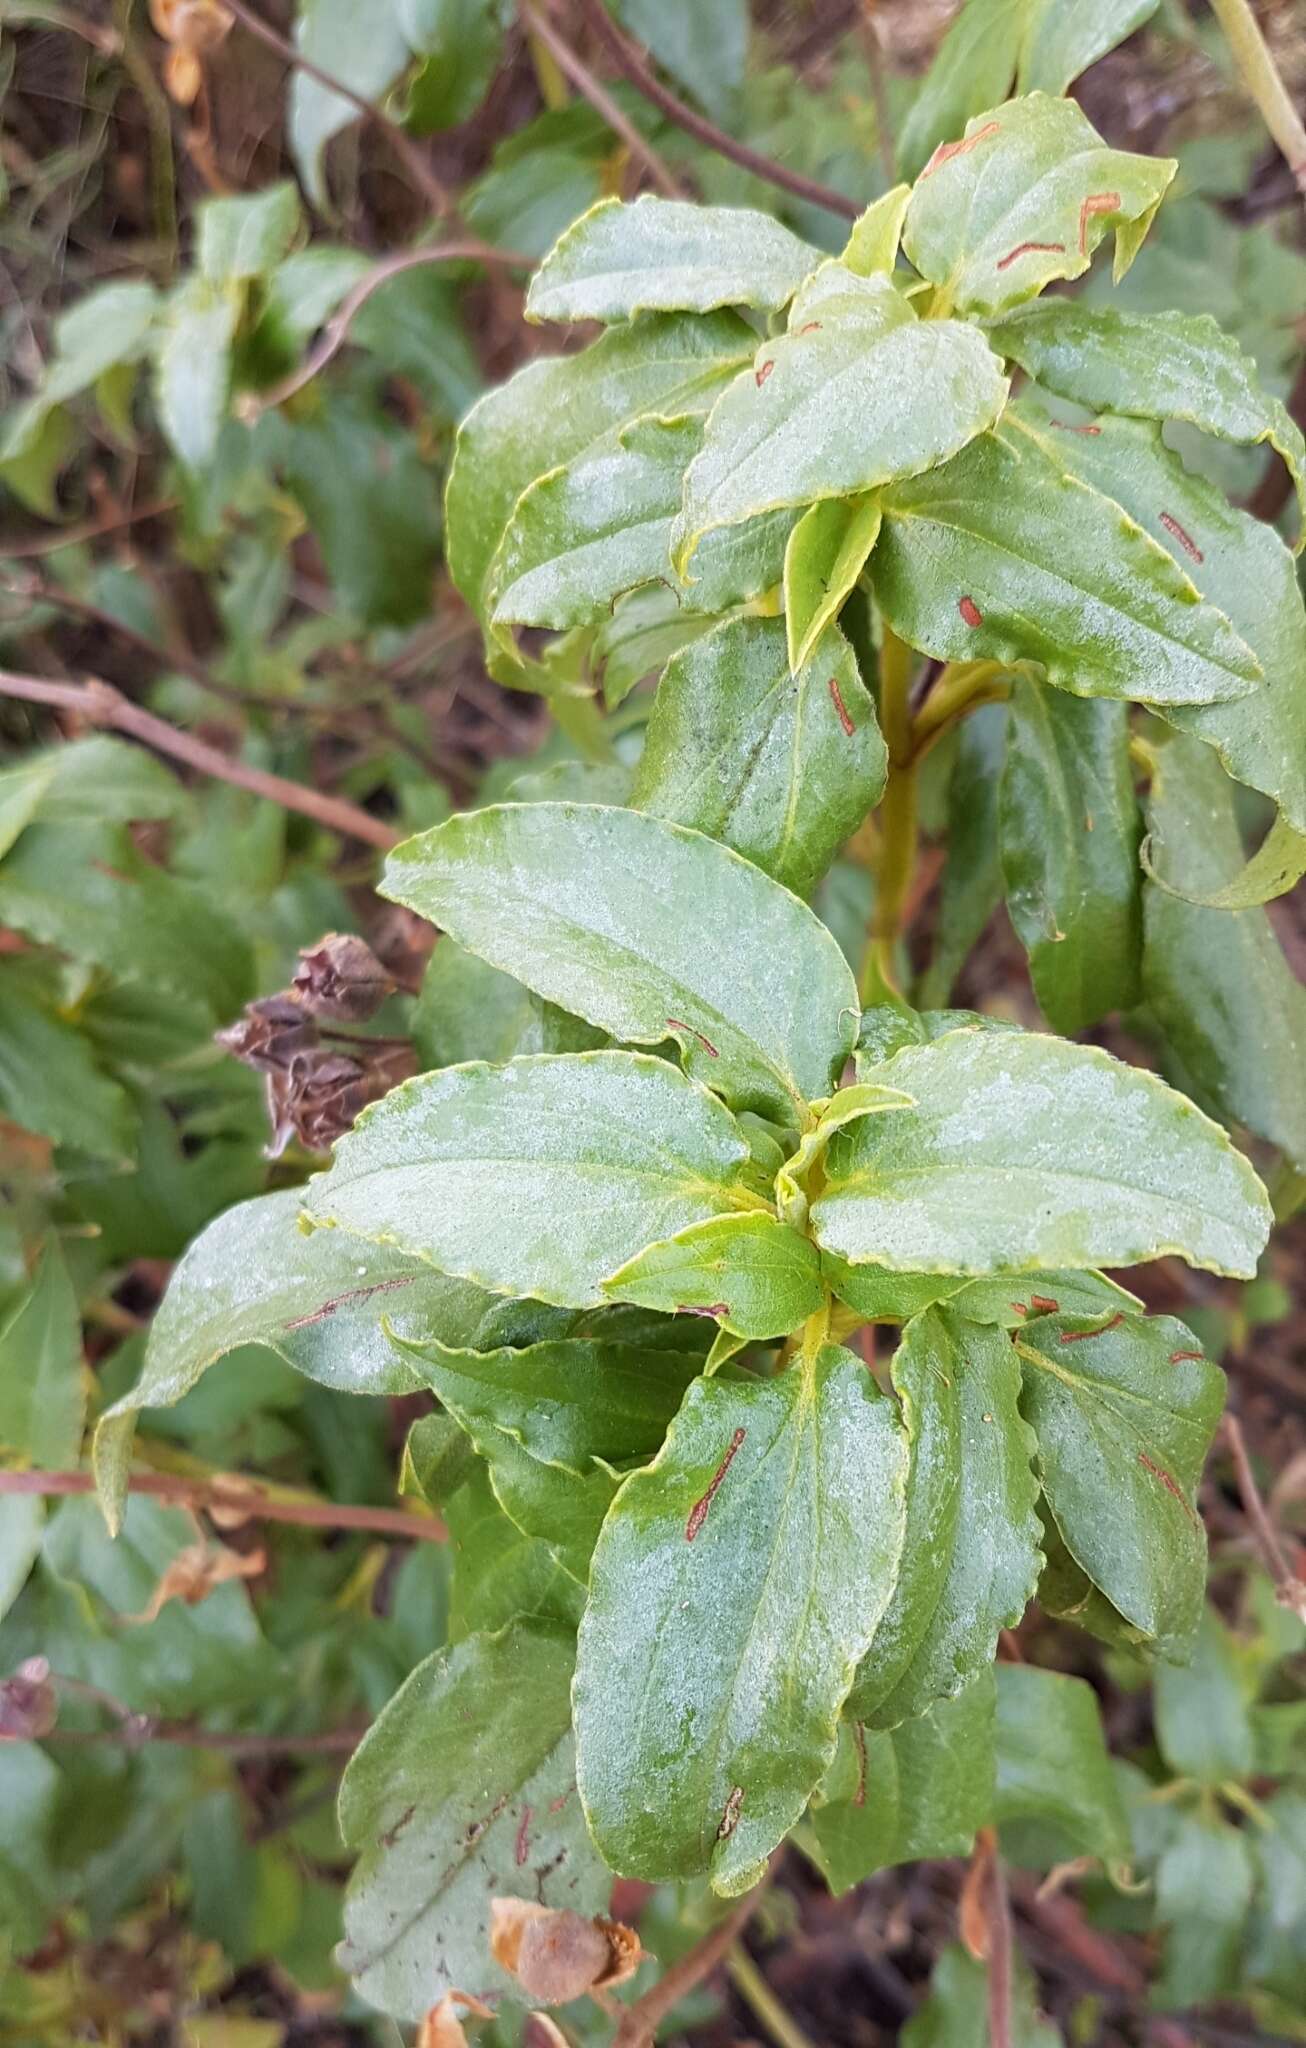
(194,28)
(1276,867)
(557,1956)
(442,2027)
(195,1573)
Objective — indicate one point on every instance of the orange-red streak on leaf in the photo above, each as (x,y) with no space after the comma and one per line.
(842,709)
(523,1844)
(1183,537)
(1170,1484)
(971,612)
(1096,202)
(1028,249)
(698,1513)
(946,151)
(1079,1336)
(761,374)
(1177,1357)
(675,1024)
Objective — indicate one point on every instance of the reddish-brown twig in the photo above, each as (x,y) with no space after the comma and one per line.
(591,88)
(1291,1589)
(233,1498)
(640,2021)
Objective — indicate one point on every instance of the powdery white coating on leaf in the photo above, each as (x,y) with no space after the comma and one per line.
(754,1274)
(1026,1151)
(656,255)
(539,1177)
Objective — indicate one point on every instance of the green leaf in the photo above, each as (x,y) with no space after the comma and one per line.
(30,1786)
(468,1011)
(1240,564)
(363,47)
(956,2013)
(22,1519)
(1277,866)
(971,1559)
(461,42)
(1153,366)
(370,492)
(824,412)
(664,256)
(1023,199)
(1004,555)
(1063,37)
(972,69)
(782,765)
(704,48)
(106,327)
(873,244)
(1201,1711)
(438,1458)
(51,1083)
(463,1791)
(1053,1766)
(500,1572)
(42,1375)
(539,1178)
(920,1792)
(972,879)
(1227,1003)
(1008,1300)
(192,367)
(651,933)
(826,554)
(1124,1409)
(1070,830)
(755,1275)
(1274,1948)
(1026,1151)
(248,235)
(735,1585)
(413,326)
(560,407)
(1204,1885)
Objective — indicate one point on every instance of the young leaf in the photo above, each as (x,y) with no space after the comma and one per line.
(1024,198)
(754,1275)
(735,1585)
(873,244)
(971,1558)
(561,406)
(661,255)
(826,554)
(246,236)
(1027,1151)
(864,394)
(1070,830)
(1053,1766)
(538,1178)
(1124,1409)
(463,1791)
(1227,1004)
(1153,366)
(1003,555)
(650,932)
(42,1375)
(782,764)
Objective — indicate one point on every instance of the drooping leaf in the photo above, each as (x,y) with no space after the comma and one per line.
(1124,1409)
(369,490)
(826,554)
(736,1583)
(1053,1766)
(971,1558)
(650,932)
(662,255)
(1004,555)
(782,764)
(538,1178)
(107,327)
(42,1375)
(1227,1004)
(1202,1710)
(1070,830)
(365,48)
(835,408)
(1204,1882)
(1023,198)
(753,1274)
(1027,1151)
(463,1791)
(1153,366)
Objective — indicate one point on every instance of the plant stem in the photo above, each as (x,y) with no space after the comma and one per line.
(236,1496)
(1260,75)
(898,825)
(961,689)
(640,2021)
(762,2001)
(571,66)
(100,704)
(1291,1590)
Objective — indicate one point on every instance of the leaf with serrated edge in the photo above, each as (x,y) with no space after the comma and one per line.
(972,1555)
(1024,198)
(1027,1151)
(663,255)
(1155,366)
(1124,1409)
(463,1791)
(836,408)
(736,1583)
(539,1177)
(1004,555)
(885,1297)
(755,1275)
(826,554)
(781,764)
(650,932)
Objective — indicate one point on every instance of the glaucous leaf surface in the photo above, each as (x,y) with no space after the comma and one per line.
(1124,1408)
(826,554)
(736,1584)
(1228,1006)
(1277,866)
(782,764)
(1053,1766)
(650,932)
(919,1791)
(1238,563)
(752,1274)
(1070,830)
(192,367)
(1027,1151)
(43,1378)
(540,1177)
(1024,198)
(664,255)
(246,235)
(462,1791)
(467,1010)
(557,407)
(971,1557)
(856,397)
(884,1296)
(1003,555)
(1154,366)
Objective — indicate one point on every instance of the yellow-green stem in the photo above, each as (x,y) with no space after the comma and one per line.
(1260,75)
(762,2001)
(898,826)
(961,689)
